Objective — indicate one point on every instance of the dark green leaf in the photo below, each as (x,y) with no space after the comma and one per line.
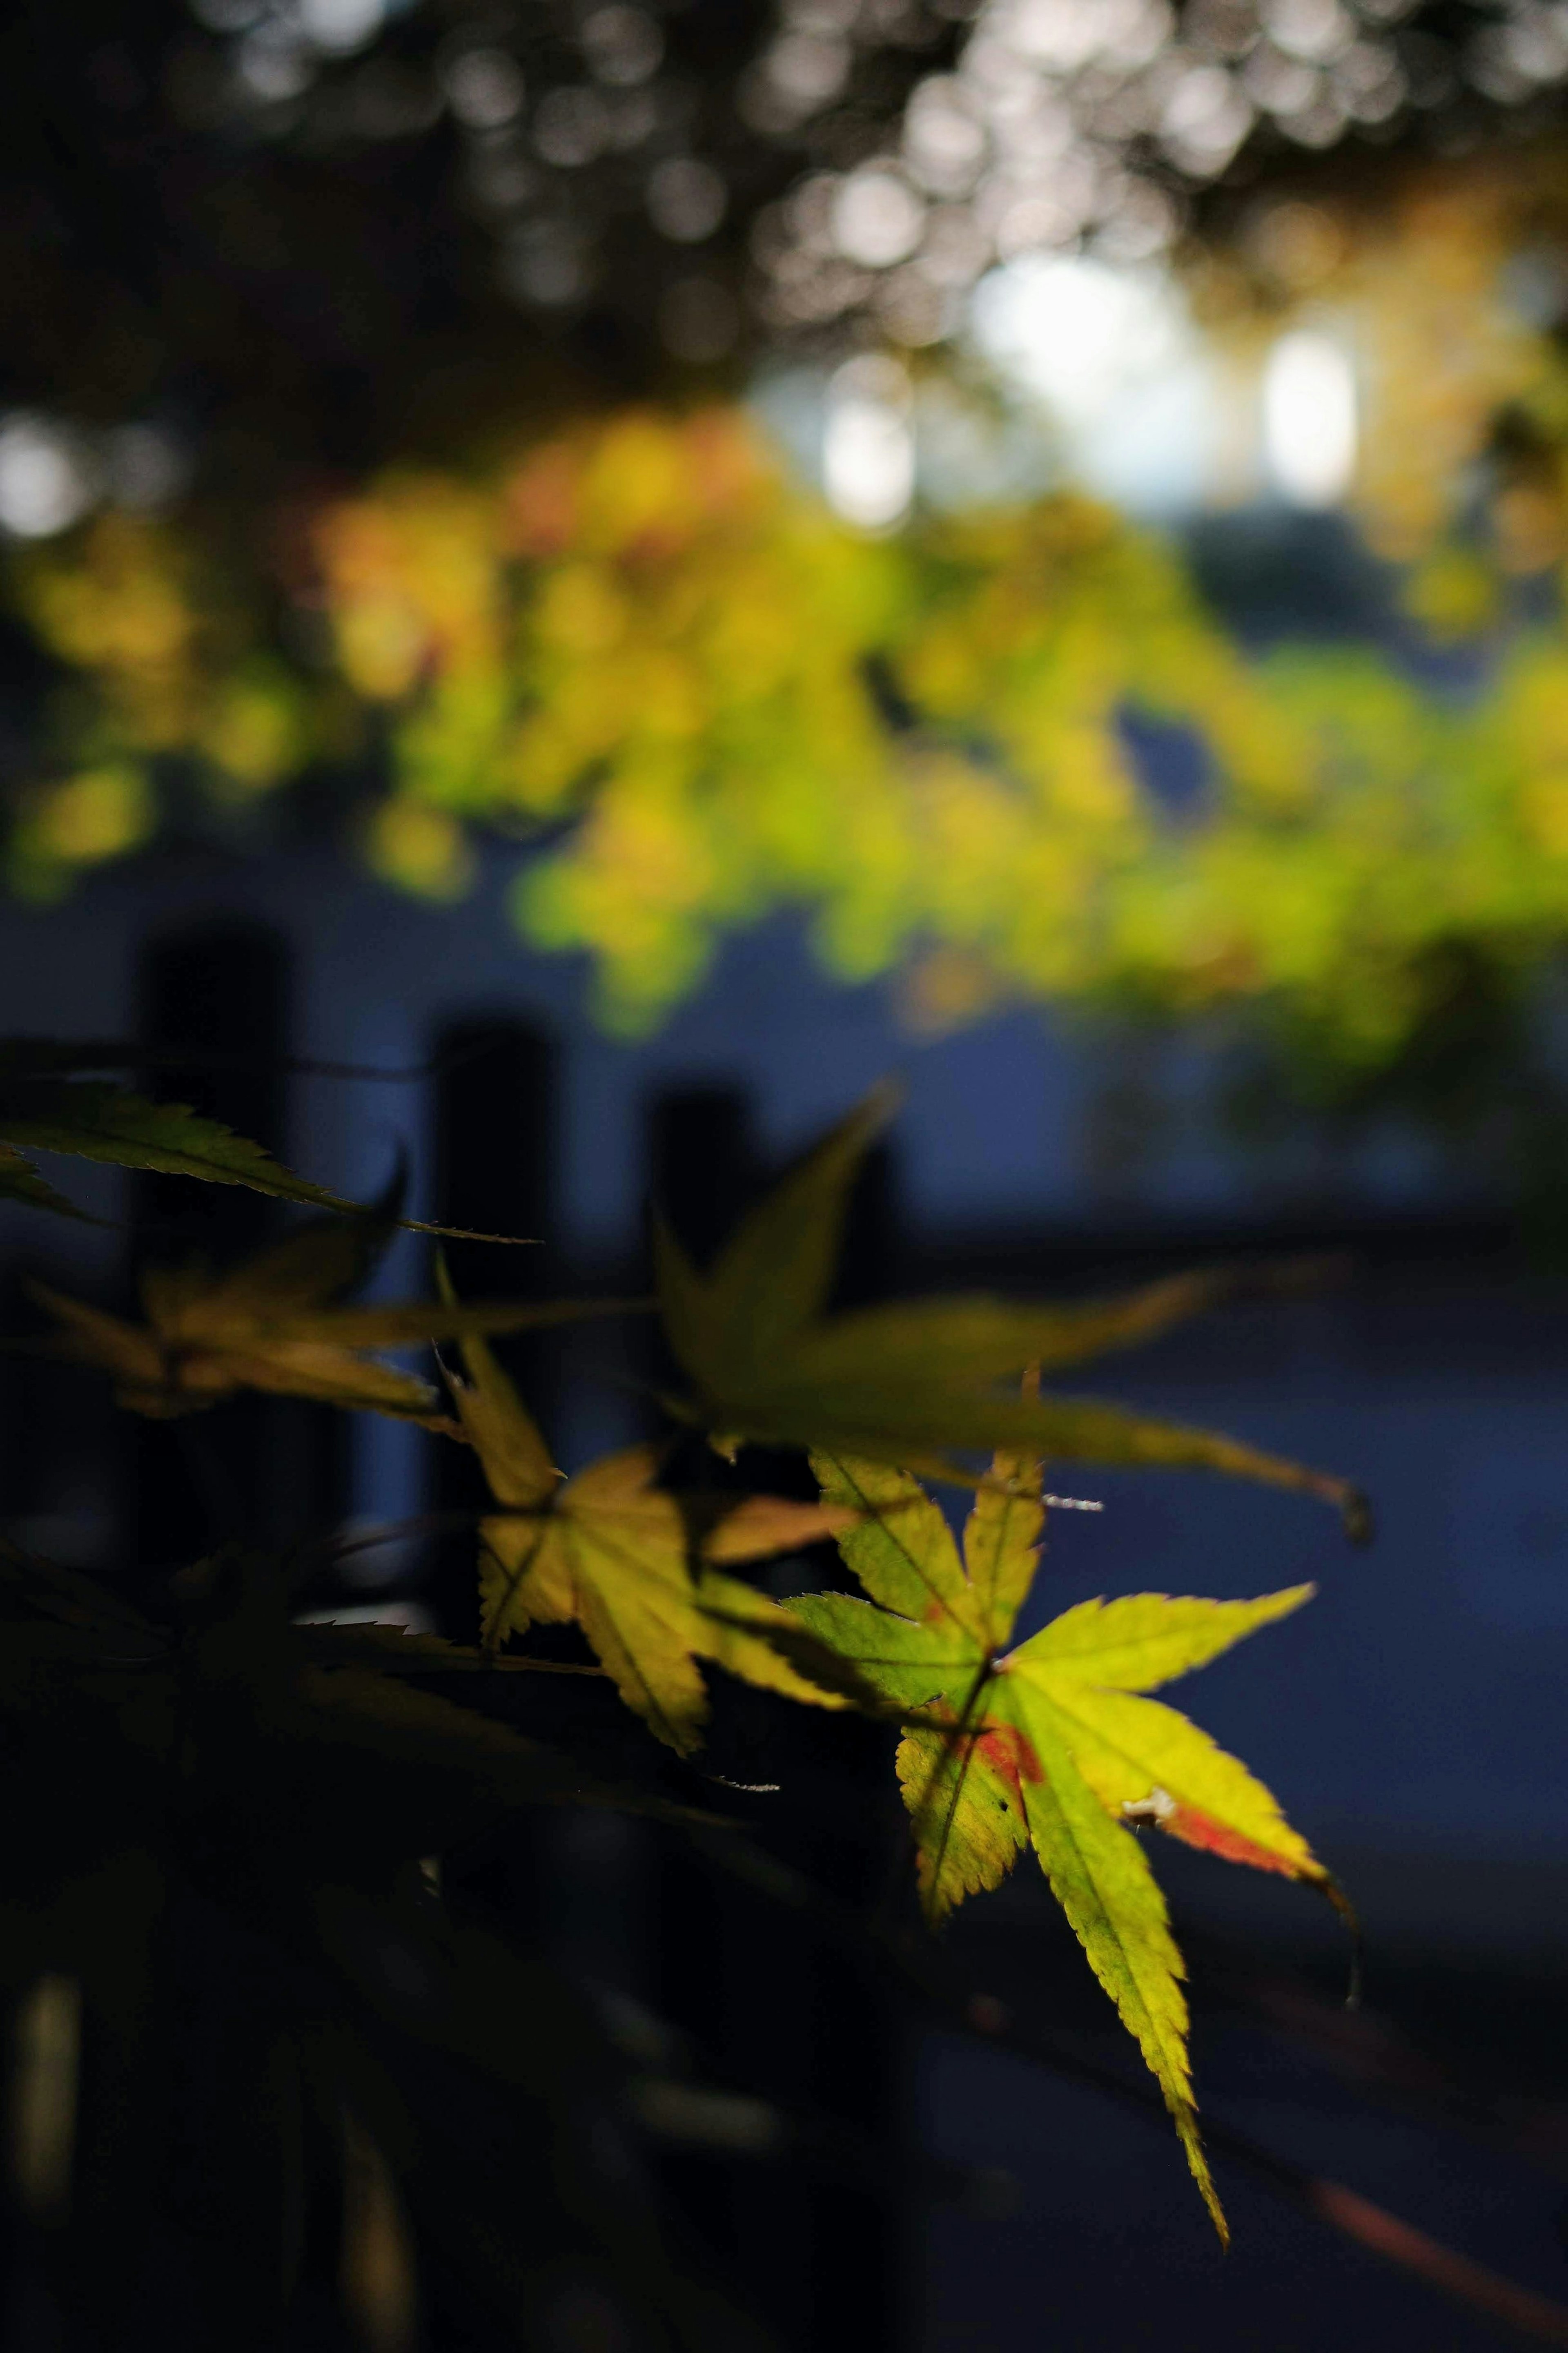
(110,1124)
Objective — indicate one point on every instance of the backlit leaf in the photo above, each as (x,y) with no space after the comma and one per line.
(966,1784)
(610,1550)
(1142,1639)
(900,1546)
(1049,1744)
(508,1442)
(1101,1877)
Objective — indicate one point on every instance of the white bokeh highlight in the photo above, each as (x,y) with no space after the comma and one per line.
(1310,420)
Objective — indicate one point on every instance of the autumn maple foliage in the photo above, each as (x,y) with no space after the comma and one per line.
(309,1777)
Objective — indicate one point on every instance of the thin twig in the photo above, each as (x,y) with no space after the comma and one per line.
(1372,2053)
(123,1054)
(418,1524)
(1536,2318)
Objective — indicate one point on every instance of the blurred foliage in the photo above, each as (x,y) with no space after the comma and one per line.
(1448,282)
(636,647)
(301,222)
(294,304)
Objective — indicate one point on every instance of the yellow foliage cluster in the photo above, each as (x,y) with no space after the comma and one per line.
(1446,352)
(642,637)
(168,665)
(644,625)
(1446,280)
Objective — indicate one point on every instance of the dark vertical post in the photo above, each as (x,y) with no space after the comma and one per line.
(263,1468)
(702,1163)
(495,1152)
(219,991)
(150,2148)
(764,2001)
(867,1266)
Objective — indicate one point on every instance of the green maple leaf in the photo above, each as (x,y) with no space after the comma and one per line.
(95,1120)
(47,1106)
(20,1181)
(265,1324)
(610,1550)
(1051,1744)
(916,1383)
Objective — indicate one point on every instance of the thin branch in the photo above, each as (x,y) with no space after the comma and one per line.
(417,1524)
(1535,2319)
(125,1054)
(1371,2054)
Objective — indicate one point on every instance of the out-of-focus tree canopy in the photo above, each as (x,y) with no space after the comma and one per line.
(372,460)
(306,229)
(636,639)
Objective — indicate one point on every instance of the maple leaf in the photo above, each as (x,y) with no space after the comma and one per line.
(46,1105)
(20,1181)
(915,1382)
(98,1122)
(1051,1744)
(263,1324)
(611,1550)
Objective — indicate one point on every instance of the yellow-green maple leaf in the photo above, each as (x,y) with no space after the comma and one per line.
(918,1382)
(611,1551)
(1049,1744)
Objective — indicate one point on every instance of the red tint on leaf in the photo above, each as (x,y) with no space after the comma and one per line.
(1010,1752)
(1200,1830)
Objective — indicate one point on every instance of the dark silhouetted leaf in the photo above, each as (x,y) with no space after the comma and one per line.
(917,1384)
(262,1325)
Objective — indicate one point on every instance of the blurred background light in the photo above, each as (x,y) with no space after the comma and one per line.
(144,467)
(484,87)
(227,15)
(869,443)
(623,45)
(340,25)
(571,126)
(46,482)
(1309,425)
(686,199)
(544,262)
(273,63)
(1115,360)
(877,219)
